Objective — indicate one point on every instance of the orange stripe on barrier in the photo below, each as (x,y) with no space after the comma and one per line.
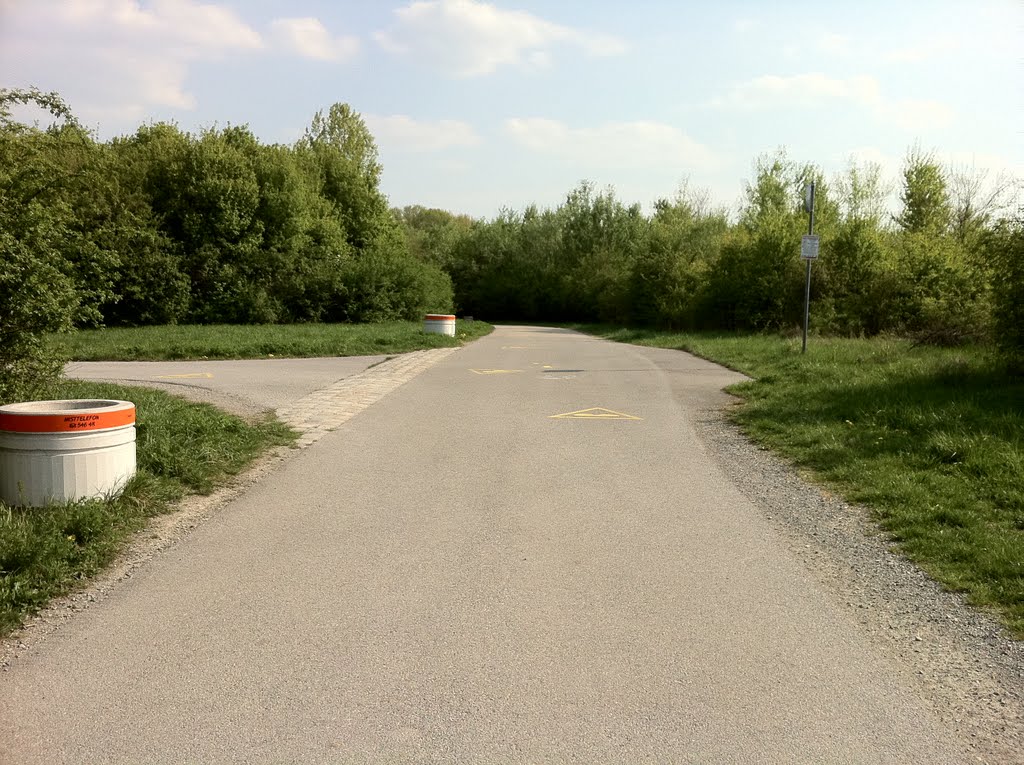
(61,423)
(439,317)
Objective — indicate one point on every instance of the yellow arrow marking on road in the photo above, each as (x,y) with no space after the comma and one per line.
(596,413)
(495,371)
(193,376)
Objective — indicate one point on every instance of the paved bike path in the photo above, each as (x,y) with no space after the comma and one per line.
(523,554)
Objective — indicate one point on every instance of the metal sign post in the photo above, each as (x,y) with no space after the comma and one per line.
(808,251)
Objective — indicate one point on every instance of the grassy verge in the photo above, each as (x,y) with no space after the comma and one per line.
(257,341)
(182,448)
(931,439)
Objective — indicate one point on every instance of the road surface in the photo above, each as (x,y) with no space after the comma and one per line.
(244,387)
(522,555)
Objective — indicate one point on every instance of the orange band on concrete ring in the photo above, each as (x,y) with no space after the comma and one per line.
(439,317)
(70,421)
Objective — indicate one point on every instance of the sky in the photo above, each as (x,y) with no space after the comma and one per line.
(479,106)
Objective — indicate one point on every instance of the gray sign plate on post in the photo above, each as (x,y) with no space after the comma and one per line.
(809,246)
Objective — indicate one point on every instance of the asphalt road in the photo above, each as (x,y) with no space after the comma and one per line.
(462,574)
(241,386)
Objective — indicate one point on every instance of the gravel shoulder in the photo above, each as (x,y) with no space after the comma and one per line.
(967,667)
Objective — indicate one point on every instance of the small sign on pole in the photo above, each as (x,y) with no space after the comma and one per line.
(809,253)
(809,245)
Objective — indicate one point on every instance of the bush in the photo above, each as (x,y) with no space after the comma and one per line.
(38,294)
(938,295)
(386,284)
(1007,247)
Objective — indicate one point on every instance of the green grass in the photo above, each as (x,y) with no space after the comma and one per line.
(182,448)
(931,439)
(257,341)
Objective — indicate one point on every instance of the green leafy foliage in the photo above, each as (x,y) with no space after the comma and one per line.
(431,234)
(38,231)
(1007,249)
(386,283)
(925,197)
(687,267)
(668,277)
(552,265)
(165,227)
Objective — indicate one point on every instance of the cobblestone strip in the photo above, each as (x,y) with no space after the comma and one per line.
(325,410)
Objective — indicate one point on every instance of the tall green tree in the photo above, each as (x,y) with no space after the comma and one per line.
(150,287)
(341,154)
(38,293)
(431,233)
(304,246)
(925,196)
(758,282)
(670,274)
(849,284)
(942,291)
(1007,248)
(600,240)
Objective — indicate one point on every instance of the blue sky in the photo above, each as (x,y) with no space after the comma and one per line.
(477,106)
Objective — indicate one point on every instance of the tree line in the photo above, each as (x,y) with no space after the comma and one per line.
(946,268)
(164,226)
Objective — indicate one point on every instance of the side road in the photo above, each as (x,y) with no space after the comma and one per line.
(526,553)
(245,388)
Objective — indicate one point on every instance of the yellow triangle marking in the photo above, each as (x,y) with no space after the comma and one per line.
(193,376)
(596,413)
(495,371)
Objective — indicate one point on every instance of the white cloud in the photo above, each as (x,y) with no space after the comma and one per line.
(619,144)
(468,38)
(770,90)
(309,38)
(406,134)
(817,90)
(184,24)
(117,58)
(917,53)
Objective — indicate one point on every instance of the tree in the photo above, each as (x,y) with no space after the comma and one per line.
(341,154)
(942,288)
(978,202)
(862,193)
(669,277)
(848,289)
(344,131)
(599,241)
(431,233)
(759,280)
(204,191)
(925,196)
(1007,247)
(304,246)
(38,294)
